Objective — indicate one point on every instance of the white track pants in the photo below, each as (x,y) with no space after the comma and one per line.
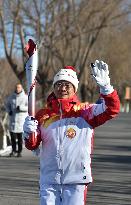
(63,195)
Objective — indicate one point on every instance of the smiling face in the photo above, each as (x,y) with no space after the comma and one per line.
(64,89)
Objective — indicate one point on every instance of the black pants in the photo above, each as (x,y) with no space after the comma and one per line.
(16,139)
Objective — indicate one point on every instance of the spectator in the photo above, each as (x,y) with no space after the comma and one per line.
(17,107)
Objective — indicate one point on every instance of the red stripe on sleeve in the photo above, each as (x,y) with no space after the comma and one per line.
(113,108)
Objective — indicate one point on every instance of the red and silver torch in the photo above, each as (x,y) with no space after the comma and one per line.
(31,71)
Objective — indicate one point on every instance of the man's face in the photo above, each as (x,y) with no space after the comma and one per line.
(64,89)
(18,88)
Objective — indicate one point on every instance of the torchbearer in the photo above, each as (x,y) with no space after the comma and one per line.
(66,128)
(31,71)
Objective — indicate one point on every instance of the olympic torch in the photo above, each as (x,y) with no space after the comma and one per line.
(31,71)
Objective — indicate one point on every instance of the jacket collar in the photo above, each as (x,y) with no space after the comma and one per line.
(64,104)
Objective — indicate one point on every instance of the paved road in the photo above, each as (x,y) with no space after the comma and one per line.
(111,169)
(112,163)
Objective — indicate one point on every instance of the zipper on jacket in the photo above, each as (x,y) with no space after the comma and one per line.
(60,110)
(60,139)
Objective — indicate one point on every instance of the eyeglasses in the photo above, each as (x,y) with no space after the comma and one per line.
(64,84)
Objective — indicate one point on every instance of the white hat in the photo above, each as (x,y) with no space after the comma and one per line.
(69,74)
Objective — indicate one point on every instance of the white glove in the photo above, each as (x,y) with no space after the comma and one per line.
(100,74)
(30,126)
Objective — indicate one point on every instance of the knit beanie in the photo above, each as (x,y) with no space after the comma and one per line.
(68,73)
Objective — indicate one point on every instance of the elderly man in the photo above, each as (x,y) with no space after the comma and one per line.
(65,128)
(17,107)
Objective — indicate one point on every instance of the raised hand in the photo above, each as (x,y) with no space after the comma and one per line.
(100,73)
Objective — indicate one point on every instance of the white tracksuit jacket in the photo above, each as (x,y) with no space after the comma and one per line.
(66,129)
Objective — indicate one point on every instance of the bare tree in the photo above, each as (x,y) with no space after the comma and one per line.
(66,32)
(7,84)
